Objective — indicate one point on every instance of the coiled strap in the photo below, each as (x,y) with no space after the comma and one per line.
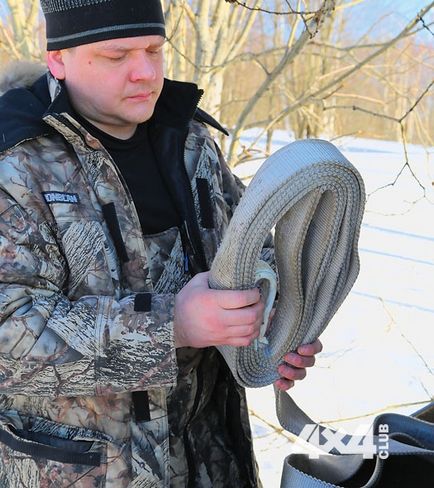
(315,199)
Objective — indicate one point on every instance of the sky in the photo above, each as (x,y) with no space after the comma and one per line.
(404,9)
(400,13)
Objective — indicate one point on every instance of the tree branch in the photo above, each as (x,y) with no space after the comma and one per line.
(361,109)
(291,11)
(419,98)
(290,54)
(317,93)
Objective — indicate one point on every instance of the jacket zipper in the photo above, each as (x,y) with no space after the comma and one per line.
(191,475)
(192,257)
(196,255)
(194,261)
(113,166)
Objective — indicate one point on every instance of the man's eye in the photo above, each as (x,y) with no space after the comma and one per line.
(115,58)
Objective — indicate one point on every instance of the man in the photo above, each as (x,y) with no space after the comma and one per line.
(113,200)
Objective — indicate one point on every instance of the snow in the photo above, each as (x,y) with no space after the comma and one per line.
(379,348)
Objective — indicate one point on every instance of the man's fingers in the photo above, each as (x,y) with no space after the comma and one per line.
(289,373)
(270,318)
(284,384)
(231,299)
(206,317)
(227,299)
(298,361)
(310,349)
(240,341)
(243,331)
(252,315)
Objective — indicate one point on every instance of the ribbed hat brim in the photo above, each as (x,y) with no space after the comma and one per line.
(76,23)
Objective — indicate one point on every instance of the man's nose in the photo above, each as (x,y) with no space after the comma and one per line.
(142,68)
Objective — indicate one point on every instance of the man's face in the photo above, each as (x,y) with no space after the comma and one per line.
(116,83)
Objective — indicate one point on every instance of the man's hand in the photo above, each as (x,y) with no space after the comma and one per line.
(296,363)
(205,317)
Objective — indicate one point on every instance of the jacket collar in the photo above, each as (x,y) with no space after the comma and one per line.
(22,111)
(26,111)
(175,107)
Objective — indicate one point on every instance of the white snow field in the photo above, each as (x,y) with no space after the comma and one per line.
(379,348)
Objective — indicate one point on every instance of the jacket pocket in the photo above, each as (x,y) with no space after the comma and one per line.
(35,452)
(90,255)
(210,205)
(150,443)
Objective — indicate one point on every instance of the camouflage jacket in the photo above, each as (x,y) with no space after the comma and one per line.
(92,390)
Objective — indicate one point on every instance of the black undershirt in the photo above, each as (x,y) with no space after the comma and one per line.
(136,162)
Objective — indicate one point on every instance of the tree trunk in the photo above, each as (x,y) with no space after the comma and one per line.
(20,35)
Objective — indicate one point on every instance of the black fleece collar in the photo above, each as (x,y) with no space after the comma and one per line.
(22,110)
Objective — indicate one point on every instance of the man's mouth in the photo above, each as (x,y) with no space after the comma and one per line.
(141,96)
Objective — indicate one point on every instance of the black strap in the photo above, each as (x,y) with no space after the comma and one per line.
(111,217)
(141,406)
(206,213)
(49,452)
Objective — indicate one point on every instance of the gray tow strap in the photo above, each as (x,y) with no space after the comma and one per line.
(315,199)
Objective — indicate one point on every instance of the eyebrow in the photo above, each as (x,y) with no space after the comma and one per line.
(117,47)
(114,48)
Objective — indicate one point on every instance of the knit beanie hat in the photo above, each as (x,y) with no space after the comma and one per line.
(71,23)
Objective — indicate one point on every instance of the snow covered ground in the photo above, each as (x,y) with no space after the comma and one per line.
(379,348)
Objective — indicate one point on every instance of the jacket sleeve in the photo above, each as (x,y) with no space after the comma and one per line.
(52,346)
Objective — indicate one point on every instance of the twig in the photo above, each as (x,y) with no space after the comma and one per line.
(361,109)
(291,11)
(419,98)
(422,21)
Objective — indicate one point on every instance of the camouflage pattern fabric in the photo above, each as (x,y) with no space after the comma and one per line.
(72,346)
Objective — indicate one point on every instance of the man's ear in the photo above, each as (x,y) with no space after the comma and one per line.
(55,64)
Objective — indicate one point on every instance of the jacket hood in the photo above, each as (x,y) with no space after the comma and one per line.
(20,74)
(23,104)
(26,100)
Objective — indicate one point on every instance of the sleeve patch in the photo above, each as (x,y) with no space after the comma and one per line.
(143,302)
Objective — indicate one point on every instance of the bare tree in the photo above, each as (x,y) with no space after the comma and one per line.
(217,40)
(330,81)
(292,49)
(205,37)
(271,64)
(20,29)
(296,74)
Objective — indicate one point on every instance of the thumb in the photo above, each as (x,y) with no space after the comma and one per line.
(201,279)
